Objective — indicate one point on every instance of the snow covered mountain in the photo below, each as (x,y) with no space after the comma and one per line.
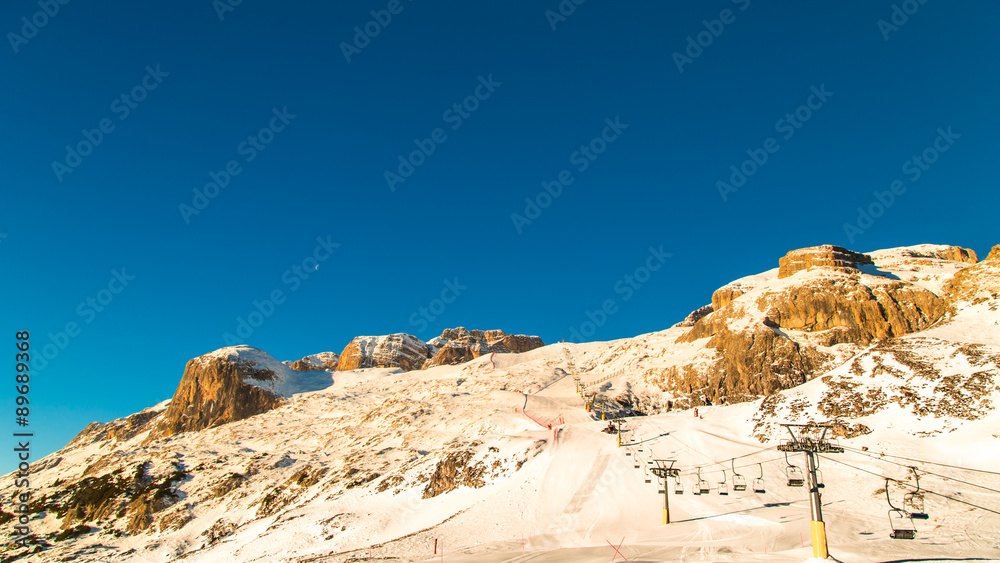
(501,460)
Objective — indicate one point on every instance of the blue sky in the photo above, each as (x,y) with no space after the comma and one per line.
(182,95)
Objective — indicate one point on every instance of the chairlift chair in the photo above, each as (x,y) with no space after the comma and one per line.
(758,483)
(723,488)
(900,521)
(646,474)
(915,500)
(703,487)
(739,481)
(678,487)
(794,474)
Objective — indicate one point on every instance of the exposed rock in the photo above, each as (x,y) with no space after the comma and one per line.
(944,252)
(697,314)
(977,283)
(403,351)
(122,429)
(827,256)
(860,313)
(315,362)
(231,384)
(454,471)
(459,345)
(756,355)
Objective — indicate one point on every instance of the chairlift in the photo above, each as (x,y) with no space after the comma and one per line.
(703,487)
(646,472)
(678,487)
(723,488)
(819,475)
(794,474)
(758,483)
(915,500)
(900,521)
(739,481)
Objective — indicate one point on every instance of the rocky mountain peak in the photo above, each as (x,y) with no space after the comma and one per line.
(231,384)
(826,256)
(399,350)
(458,345)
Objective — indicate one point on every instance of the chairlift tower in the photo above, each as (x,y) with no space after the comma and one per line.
(663,471)
(578,382)
(804,440)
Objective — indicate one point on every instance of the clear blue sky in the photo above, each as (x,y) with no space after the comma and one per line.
(543,93)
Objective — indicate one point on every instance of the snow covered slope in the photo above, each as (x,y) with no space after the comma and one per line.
(499,460)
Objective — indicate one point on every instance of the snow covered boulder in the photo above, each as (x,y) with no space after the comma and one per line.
(231,384)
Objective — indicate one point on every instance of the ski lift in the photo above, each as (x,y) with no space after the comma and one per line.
(646,472)
(915,500)
(739,481)
(678,487)
(758,483)
(794,474)
(819,476)
(703,487)
(723,488)
(900,520)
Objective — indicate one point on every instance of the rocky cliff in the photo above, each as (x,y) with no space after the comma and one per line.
(231,384)
(828,257)
(459,345)
(454,346)
(403,351)
(772,332)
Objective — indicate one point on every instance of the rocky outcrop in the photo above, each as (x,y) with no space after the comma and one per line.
(827,256)
(403,351)
(314,362)
(231,384)
(943,252)
(853,311)
(756,330)
(978,283)
(459,345)
(454,346)
(696,315)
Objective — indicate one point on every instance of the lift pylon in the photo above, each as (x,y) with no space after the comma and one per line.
(811,440)
(664,471)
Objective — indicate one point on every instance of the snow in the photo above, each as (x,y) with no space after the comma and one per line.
(564,495)
(285,382)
